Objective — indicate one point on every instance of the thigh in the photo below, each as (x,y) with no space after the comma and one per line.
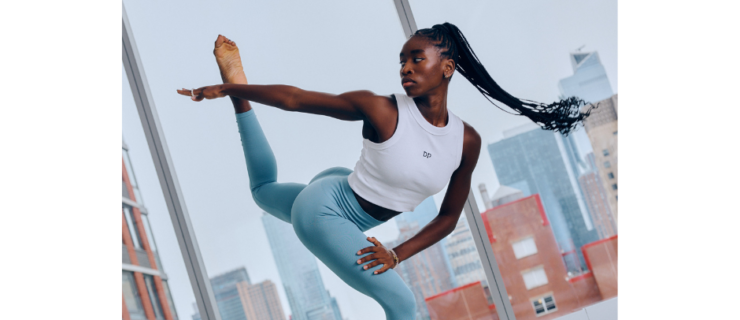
(336,240)
(277,198)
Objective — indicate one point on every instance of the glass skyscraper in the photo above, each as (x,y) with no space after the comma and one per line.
(531,160)
(589,81)
(299,273)
(227,294)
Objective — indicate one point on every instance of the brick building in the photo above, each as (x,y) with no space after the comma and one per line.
(462,303)
(601,257)
(146,294)
(531,263)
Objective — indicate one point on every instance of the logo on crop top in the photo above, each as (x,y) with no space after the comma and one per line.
(427,155)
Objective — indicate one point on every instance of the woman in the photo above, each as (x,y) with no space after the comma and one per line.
(413,146)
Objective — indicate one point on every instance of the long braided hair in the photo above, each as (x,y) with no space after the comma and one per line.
(561,116)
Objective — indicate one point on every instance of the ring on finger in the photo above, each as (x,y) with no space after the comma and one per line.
(192,93)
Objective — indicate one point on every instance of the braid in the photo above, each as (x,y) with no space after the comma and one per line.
(561,116)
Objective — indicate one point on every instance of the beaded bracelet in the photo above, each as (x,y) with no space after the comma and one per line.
(395,259)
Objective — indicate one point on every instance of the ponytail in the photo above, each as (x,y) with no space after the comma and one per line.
(561,116)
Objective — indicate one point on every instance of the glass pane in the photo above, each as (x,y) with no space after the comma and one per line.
(131,296)
(332,47)
(132,226)
(141,257)
(154,297)
(534,183)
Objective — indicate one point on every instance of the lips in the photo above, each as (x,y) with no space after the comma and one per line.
(406,82)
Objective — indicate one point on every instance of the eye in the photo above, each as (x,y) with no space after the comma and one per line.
(414,60)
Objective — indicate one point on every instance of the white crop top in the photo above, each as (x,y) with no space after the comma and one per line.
(415,163)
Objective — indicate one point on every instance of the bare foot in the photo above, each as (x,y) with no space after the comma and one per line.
(229,62)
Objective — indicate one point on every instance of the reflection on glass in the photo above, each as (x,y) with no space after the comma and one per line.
(132,226)
(132,177)
(131,297)
(154,297)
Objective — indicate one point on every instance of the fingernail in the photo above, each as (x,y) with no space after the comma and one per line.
(376,272)
(365,267)
(358,261)
(359,252)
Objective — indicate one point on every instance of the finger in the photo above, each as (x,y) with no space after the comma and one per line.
(376,242)
(372,264)
(383,269)
(366,250)
(367,258)
(184,92)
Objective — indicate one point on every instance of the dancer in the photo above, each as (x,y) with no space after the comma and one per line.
(413,146)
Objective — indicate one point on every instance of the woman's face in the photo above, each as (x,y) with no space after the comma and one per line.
(422,67)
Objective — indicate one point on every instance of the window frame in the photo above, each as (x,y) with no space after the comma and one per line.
(534,243)
(174,200)
(544,304)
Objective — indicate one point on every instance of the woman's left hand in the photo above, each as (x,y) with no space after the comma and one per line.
(382,255)
(209,92)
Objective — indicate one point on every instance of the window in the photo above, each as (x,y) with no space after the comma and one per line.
(524,248)
(131,176)
(606,152)
(132,227)
(534,277)
(544,305)
(154,296)
(169,299)
(607,164)
(148,231)
(132,298)
(614,186)
(611,175)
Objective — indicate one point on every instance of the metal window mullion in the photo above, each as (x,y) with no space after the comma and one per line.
(477,228)
(167,178)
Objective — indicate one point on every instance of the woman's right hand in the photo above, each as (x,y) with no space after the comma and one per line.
(209,92)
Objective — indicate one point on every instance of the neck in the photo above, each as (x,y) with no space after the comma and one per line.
(433,106)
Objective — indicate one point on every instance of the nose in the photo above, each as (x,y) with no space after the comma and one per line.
(406,69)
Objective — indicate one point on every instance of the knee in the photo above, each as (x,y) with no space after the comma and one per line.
(401,304)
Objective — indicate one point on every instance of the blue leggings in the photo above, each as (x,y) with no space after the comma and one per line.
(326,217)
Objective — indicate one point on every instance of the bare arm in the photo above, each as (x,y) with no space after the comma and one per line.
(444,223)
(452,205)
(350,106)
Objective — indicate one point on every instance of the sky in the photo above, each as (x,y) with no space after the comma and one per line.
(333,47)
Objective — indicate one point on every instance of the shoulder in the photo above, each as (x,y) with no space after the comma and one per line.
(368,100)
(471,139)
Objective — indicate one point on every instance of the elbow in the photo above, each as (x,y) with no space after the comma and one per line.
(292,99)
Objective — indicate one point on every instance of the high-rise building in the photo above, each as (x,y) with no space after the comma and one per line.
(601,128)
(424,213)
(228,297)
(261,301)
(531,160)
(146,294)
(464,258)
(238,299)
(299,273)
(537,282)
(589,81)
(426,272)
(596,199)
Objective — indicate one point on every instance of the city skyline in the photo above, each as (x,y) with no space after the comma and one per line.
(531,160)
(202,138)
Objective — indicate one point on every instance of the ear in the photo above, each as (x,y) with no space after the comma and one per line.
(448,67)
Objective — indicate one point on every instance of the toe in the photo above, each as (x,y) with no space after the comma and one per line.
(220,40)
